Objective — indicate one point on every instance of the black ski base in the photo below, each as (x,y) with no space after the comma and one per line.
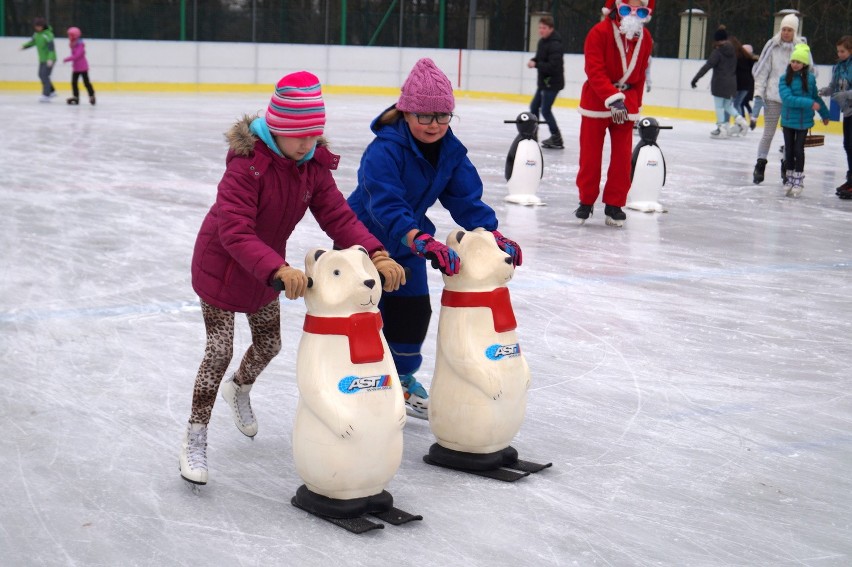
(349,514)
(357,525)
(396,517)
(502,465)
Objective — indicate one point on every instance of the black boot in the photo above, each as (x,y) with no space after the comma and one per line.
(759,169)
(554,142)
(846,186)
(583,212)
(73,100)
(614,215)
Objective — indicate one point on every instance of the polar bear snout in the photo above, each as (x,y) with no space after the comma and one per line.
(372,283)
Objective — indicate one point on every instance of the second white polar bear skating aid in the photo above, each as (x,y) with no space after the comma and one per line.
(479,391)
(347,437)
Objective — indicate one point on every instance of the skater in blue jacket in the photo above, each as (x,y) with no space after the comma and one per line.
(840,90)
(799,101)
(414,161)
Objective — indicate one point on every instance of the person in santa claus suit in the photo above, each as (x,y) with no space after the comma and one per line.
(617,51)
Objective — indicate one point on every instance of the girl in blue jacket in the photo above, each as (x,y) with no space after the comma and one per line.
(414,161)
(799,100)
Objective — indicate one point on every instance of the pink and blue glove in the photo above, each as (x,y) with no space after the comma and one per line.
(443,258)
(510,247)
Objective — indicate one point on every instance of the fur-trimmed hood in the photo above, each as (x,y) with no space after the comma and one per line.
(241,140)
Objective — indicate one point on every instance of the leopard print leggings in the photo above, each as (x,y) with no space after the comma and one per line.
(265,327)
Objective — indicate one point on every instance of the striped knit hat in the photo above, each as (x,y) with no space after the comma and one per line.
(296,109)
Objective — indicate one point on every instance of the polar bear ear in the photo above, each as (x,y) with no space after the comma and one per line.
(311,259)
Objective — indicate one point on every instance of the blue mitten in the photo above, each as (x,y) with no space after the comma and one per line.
(442,257)
(510,247)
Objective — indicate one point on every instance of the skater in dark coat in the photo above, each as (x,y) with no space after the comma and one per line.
(549,63)
(723,85)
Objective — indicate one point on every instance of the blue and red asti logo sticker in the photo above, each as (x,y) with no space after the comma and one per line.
(499,352)
(355,384)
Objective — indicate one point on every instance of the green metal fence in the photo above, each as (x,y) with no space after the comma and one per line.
(501,25)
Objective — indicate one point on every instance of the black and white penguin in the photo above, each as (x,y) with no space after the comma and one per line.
(647,169)
(524,162)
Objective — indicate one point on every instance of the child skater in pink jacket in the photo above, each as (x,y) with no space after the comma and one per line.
(80,67)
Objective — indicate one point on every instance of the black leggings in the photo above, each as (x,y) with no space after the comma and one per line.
(794,149)
(75,77)
(847,142)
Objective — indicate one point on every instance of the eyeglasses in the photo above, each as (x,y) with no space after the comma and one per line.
(641,11)
(439,117)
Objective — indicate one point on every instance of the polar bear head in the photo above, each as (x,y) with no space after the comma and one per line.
(344,282)
(484,266)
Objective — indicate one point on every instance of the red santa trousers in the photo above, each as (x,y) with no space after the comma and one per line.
(592,134)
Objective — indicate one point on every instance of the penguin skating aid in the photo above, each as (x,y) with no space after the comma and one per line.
(524,162)
(647,169)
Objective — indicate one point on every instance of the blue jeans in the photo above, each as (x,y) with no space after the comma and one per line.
(543,100)
(724,107)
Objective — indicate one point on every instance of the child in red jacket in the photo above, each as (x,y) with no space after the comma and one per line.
(278,166)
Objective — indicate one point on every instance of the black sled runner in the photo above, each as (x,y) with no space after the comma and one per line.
(349,514)
(501,465)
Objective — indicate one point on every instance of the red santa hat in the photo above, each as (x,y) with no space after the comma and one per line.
(610,6)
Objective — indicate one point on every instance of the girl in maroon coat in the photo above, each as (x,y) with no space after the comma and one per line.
(277,167)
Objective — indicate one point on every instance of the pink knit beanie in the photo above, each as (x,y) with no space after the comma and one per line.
(296,109)
(427,89)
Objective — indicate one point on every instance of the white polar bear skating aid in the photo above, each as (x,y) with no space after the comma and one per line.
(479,391)
(347,437)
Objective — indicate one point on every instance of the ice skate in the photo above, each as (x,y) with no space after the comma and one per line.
(416,397)
(44,98)
(720,133)
(798,183)
(583,212)
(193,454)
(752,123)
(237,397)
(92,100)
(72,100)
(788,183)
(759,171)
(614,215)
(740,127)
(553,143)
(844,187)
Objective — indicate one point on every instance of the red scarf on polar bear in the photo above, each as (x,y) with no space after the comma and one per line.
(497,300)
(362,330)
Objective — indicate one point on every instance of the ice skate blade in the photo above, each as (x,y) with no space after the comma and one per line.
(411,412)
(612,222)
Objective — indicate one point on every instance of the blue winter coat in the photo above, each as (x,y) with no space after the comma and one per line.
(796,105)
(840,87)
(397,185)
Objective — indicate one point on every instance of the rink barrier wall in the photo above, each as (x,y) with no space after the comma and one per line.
(214,67)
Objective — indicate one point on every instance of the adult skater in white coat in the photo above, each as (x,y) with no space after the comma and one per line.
(767,72)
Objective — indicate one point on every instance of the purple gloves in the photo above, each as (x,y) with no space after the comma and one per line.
(510,247)
(443,258)
(618,112)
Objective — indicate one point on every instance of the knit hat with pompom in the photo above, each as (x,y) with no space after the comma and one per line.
(427,89)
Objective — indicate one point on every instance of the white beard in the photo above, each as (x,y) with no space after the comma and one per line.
(631,26)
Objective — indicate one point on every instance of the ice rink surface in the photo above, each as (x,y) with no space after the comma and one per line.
(690,370)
